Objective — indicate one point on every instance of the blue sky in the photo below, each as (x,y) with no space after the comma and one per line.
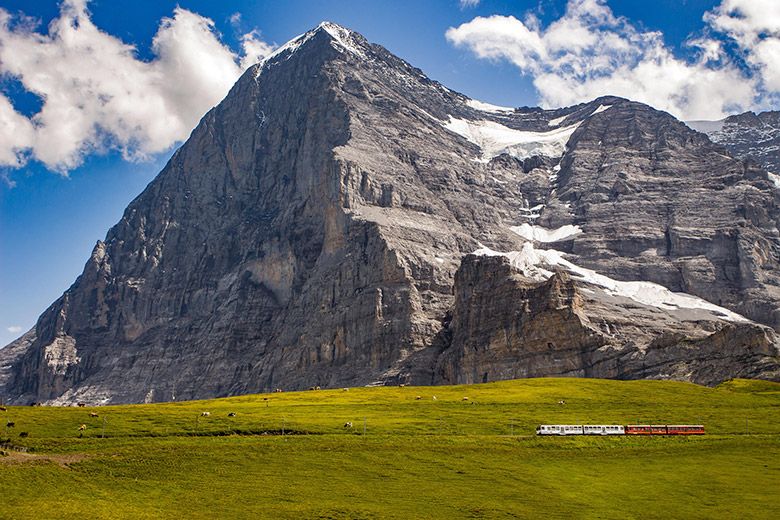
(65,179)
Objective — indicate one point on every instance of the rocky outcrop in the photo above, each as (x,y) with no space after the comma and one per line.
(748,136)
(9,356)
(309,233)
(661,203)
(505,326)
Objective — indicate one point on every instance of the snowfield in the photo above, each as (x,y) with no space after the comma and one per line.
(538,264)
(495,139)
(541,234)
(487,107)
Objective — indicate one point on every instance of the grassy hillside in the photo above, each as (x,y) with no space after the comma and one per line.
(418,458)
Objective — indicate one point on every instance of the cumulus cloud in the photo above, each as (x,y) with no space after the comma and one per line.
(253,48)
(98,95)
(14,329)
(755,26)
(590,52)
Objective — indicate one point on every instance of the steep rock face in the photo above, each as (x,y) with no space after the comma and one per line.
(661,203)
(9,355)
(505,326)
(309,231)
(748,136)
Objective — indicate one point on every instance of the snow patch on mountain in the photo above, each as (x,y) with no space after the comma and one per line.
(342,37)
(539,264)
(557,121)
(487,107)
(541,234)
(495,139)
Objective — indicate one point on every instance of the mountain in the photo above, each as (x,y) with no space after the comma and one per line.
(340,219)
(748,135)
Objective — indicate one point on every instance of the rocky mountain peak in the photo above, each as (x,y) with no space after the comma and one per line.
(749,136)
(341,219)
(340,38)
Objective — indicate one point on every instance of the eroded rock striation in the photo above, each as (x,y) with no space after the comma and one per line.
(318,226)
(748,136)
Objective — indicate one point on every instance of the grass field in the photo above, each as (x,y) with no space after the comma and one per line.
(426,458)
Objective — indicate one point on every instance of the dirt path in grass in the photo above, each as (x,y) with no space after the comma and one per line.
(64,461)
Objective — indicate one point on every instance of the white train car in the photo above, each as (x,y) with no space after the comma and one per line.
(559,429)
(603,429)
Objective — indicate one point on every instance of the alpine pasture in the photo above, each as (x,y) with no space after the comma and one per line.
(401,452)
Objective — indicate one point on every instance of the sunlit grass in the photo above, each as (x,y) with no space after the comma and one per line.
(418,458)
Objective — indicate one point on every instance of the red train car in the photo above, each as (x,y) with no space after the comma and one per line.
(685,429)
(663,429)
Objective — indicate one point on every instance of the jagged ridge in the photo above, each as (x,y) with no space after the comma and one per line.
(310,230)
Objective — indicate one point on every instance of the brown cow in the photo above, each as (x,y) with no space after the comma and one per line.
(81,405)
(93,414)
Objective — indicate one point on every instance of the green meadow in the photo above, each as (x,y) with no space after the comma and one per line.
(469,453)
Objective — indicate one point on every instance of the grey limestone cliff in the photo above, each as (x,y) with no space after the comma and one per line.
(310,230)
(748,136)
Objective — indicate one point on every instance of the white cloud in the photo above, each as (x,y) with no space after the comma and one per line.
(590,52)
(755,26)
(14,329)
(468,3)
(98,95)
(254,49)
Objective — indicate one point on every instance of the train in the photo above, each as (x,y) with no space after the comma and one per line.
(618,429)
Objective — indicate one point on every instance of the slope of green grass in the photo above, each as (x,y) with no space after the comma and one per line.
(426,458)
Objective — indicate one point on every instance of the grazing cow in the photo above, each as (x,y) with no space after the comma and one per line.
(205,414)
(316,387)
(465,398)
(278,390)
(10,424)
(434,397)
(417,397)
(348,425)
(561,402)
(345,389)
(93,414)
(24,434)
(402,385)
(232,414)
(81,405)
(311,388)
(82,427)
(3,409)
